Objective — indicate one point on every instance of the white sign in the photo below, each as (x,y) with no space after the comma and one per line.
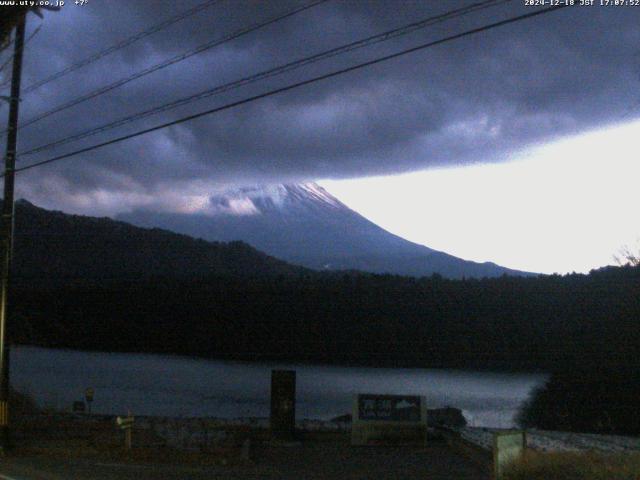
(388,419)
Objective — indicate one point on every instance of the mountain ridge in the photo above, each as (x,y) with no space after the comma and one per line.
(306,225)
(53,245)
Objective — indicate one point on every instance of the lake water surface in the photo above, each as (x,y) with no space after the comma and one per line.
(179,386)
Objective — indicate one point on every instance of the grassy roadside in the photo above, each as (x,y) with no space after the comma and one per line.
(37,432)
(582,466)
(99,439)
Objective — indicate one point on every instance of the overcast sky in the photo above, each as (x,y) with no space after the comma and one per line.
(487,99)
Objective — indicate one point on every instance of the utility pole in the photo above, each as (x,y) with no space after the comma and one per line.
(7,230)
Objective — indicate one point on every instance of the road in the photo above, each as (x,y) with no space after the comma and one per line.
(313,461)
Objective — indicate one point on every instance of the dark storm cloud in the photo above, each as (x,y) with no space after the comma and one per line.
(472,100)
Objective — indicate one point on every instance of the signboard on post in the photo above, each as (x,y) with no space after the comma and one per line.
(88,396)
(126,424)
(507,447)
(283,404)
(388,419)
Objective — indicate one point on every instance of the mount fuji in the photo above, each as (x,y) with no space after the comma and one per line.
(306,225)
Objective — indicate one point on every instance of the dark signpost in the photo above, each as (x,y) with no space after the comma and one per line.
(283,404)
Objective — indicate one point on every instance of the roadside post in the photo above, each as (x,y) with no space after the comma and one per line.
(389,419)
(88,396)
(507,447)
(6,227)
(7,214)
(283,404)
(126,424)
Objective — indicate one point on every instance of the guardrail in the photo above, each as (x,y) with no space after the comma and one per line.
(491,449)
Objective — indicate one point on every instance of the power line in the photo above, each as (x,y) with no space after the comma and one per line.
(171,61)
(120,45)
(294,86)
(390,34)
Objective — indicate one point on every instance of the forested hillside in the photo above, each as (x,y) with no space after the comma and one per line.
(58,248)
(509,323)
(93,283)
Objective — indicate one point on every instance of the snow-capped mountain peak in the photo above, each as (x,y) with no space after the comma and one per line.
(263,199)
(306,225)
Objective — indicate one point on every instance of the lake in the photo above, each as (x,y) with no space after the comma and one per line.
(179,386)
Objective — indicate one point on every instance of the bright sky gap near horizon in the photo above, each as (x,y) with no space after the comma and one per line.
(513,146)
(556,208)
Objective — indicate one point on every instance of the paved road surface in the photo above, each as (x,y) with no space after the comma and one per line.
(314,461)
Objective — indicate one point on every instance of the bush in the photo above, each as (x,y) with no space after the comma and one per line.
(583,466)
(21,404)
(593,400)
